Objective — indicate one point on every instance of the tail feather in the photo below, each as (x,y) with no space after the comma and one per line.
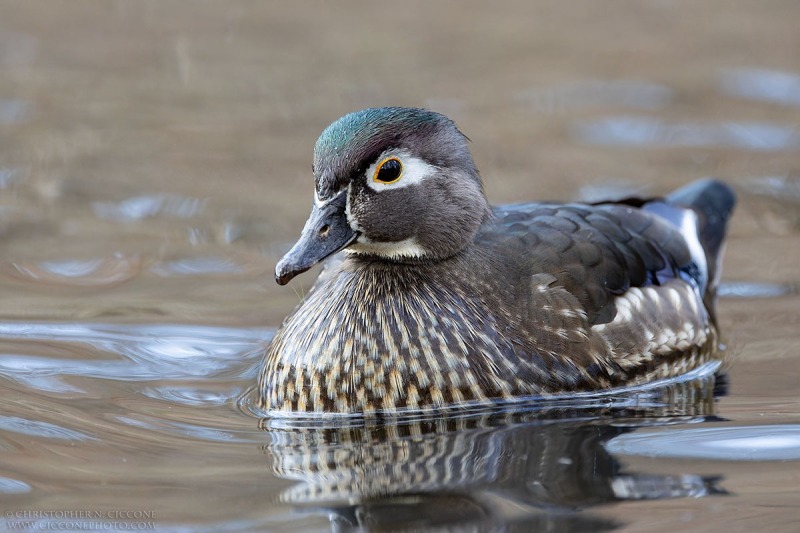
(701,210)
(713,202)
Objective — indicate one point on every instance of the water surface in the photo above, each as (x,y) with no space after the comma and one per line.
(154,165)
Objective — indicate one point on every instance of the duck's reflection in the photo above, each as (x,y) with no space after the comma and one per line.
(533,468)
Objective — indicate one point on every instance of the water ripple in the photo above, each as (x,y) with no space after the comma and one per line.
(193,396)
(152,352)
(763,85)
(174,427)
(13,486)
(197,266)
(10,176)
(747,443)
(14,111)
(94,272)
(652,132)
(37,428)
(785,187)
(745,289)
(597,93)
(141,207)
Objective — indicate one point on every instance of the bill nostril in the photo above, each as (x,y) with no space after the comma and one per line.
(324,230)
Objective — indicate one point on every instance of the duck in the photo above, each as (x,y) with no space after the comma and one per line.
(430,298)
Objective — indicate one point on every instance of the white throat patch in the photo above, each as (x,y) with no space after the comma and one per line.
(415,170)
(408,248)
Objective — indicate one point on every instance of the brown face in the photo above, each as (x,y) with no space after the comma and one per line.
(425,211)
(394,184)
(388,202)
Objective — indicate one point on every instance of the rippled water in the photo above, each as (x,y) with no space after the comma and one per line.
(154,165)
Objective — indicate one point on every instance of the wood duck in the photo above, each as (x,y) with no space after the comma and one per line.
(440,300)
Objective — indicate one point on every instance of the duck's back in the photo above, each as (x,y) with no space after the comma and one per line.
(597,252)
(594,252)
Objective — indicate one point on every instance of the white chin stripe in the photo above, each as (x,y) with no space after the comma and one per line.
(322,203)
(408,248)
(414,171)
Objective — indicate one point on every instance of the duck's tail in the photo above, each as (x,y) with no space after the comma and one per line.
(710,204)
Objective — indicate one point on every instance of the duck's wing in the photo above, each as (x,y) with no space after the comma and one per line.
(595,252)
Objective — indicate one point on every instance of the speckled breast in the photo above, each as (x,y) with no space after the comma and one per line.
(371,340)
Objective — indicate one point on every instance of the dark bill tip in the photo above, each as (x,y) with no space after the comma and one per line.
(326,232)
(284,273)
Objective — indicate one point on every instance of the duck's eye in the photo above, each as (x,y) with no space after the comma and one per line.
(389,171)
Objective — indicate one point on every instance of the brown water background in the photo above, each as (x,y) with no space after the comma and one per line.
(155,163)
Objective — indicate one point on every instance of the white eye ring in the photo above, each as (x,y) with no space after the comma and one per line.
(413,170)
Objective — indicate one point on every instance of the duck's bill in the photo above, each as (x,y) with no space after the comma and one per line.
(325,233)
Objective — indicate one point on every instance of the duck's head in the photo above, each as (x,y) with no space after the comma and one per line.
(392,183)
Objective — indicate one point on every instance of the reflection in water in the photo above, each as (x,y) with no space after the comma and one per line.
(198,265)
(140,353)
(645,131)
(13,486)
(786,187)
(597,93)
(536,467)
(748,443)
(752,289)
(9,176)
(13,111)
(38,428)
(141,207)
(763,85)
(97,272)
